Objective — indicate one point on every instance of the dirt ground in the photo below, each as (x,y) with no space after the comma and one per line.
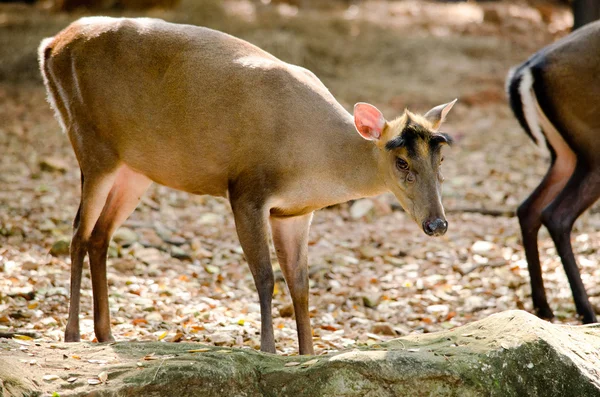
(176,270)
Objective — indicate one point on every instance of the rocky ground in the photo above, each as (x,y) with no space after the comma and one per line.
(507,354)
(176,270)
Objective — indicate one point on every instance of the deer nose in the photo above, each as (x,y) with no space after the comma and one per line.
(436,227)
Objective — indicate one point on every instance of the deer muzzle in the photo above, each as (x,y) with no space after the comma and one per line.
(435,227)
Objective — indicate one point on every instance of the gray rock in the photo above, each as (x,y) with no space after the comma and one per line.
(222,339)
(124,236)
(154,317)
(371,300)
(53,164)
(179,253)
(60,247)
(361,208)
(123,265)
(508,354)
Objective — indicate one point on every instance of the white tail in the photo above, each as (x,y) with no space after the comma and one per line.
(198,110)
(42,59)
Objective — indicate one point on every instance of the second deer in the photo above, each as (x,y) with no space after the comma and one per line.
(554,95)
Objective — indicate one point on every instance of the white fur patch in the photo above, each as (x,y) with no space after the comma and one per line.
(94,20)
(50,97)
(528,102)
(509,77)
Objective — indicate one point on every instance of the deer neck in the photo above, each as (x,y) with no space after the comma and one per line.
(337,165)
(351,167)
(361,163)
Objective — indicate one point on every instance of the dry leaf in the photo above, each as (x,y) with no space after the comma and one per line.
(22,337)
(101,362)
(201,350)
(103,376)
(310,362)
(177,337)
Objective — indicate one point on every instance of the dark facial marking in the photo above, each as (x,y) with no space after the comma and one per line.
(439,138)
(412,133)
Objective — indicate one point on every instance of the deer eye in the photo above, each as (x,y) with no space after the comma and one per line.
(442,159)
(401,164)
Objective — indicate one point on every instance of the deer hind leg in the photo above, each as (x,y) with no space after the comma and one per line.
(124,196)
(563,162)
(580,192)
(530,220)
(96,184)
(290,237)
(530,217)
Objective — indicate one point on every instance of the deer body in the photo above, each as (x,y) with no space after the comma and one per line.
(201,111)
(206,149)
(554,96)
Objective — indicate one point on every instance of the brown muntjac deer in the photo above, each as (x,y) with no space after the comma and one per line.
(144,101)
(554,96)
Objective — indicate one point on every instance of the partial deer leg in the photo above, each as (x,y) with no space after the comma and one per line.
(252,228)
(530,219)
(128,188)
(582,190)
(290,237)
(94,191)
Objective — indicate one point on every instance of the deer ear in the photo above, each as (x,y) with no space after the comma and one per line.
(437,115)
(369,121)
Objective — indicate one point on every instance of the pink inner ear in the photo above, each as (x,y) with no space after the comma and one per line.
(368,120)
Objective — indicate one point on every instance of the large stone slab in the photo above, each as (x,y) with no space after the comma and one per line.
(508,354)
